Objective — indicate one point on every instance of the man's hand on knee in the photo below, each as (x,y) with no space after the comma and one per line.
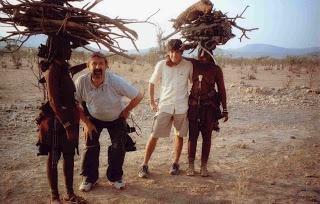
(88,130)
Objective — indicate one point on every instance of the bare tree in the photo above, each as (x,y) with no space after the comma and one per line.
(160,42)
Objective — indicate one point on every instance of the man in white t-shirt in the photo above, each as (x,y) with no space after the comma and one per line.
(102,92)
(174,73)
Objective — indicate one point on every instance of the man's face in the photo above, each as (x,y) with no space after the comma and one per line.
(97,67)
(175,56)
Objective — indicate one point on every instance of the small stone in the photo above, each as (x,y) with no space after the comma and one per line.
(242,146)
(308,91)
(273,183)
(315,145)
(292,137)
(217,187)
(150,182)
(253,141)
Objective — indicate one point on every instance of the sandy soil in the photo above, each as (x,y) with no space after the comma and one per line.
(268,151)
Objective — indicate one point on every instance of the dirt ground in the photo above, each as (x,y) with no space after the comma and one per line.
(268,151)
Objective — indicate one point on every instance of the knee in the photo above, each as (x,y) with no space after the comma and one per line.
(153,140)
(179,139)
(117,146)
(92,147)
(193,137)
(206,138)
(94,141)
(68,156)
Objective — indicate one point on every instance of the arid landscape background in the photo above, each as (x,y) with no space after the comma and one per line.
(268,151)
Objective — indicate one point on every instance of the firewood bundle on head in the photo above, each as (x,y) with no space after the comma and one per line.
(202,27)
(55,17)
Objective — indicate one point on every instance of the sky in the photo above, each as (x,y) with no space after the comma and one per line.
(284,23)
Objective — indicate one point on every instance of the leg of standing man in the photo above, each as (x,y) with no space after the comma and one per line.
(116,152)
(161,128)
(206,132)
(90,161)
(180,123)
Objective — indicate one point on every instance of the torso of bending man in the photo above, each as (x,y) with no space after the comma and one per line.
(174,86)
(105,102)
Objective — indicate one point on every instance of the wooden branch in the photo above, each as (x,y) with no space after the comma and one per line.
(79,23)
(93,5)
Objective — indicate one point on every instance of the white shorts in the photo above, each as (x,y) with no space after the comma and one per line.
(162,124)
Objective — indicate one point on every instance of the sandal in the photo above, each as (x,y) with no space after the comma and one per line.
(55,199)
(73,198)
(190,170)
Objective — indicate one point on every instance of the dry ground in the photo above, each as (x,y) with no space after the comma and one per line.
(268,151)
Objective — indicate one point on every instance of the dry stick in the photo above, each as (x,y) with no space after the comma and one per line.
(111,47)
(235,18)
(171,34)
(120,26)
(112,21)
(94,37)
(93,5)
(243,30)
(85,5)
(145,21)
(189,29)
(77,26)
(115,51)
(63,24)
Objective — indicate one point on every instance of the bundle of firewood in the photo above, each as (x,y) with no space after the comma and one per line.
(201,26)
(51,17)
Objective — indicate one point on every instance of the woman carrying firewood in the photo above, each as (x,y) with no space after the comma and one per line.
(204,107)
(63,131)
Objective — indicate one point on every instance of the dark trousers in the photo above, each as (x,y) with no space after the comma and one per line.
(202,121)
(116,151)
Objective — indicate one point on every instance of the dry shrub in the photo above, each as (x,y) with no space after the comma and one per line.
(289,81)
(251,76)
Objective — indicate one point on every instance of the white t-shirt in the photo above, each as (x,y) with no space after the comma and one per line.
(104,103)
(174,86)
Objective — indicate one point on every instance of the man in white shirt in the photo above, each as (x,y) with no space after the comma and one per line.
(173,103)
(102,92)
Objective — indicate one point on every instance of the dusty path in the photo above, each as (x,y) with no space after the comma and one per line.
(269,152)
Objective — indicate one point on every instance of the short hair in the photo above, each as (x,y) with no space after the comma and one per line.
(174,45)
(99,55)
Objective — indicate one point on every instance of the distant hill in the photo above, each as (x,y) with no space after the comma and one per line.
(247,51)
(263,50)
(256,50)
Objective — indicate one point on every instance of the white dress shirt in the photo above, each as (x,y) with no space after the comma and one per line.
(174,86)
